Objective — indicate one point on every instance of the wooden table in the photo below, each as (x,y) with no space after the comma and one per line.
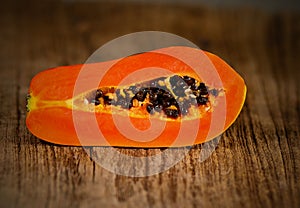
(256,162)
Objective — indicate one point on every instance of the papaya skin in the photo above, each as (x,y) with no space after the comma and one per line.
(51,106)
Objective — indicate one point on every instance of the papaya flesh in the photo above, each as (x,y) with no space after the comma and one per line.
(182,105)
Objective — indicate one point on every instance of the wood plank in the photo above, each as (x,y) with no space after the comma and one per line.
(256,162)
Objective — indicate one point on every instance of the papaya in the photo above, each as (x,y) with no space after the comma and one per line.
(169,97)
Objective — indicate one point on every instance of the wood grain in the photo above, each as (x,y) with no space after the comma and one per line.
(256,162)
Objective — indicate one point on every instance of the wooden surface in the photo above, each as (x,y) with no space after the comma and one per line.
(256,163)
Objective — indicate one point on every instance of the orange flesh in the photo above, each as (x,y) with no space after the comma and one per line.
(53,103)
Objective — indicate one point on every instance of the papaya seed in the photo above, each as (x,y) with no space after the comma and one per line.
(156,97)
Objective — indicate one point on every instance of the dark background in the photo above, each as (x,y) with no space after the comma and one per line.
(268,5)
(256,163)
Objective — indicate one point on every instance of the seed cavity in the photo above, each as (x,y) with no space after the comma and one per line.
(173,96)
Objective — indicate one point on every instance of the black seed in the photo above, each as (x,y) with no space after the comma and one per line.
(203,92)
(154,90)
(178,85)
(158,107)
(166,103)
(193,86)
(176,81)
(214,92)
(193,101)
(150,108)
(133,89)
(202,89)
(159,100)
(179,91)
(173,101)
(107,100)
(171,113)
(98,94)
(202,100)
(152,96)
(140,95)
(96,102)
(181,83)
(189,80)
(154,83)
(156,102)
(201,86)
(160,92)
(196,93)
(147,90)
(118,94)
(126,92)
(184,107)
(127,96)
(184,111)
(130,105)
(111,90)
(123,103)
(167,95)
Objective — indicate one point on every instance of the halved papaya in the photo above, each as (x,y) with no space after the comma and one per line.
(176,96)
